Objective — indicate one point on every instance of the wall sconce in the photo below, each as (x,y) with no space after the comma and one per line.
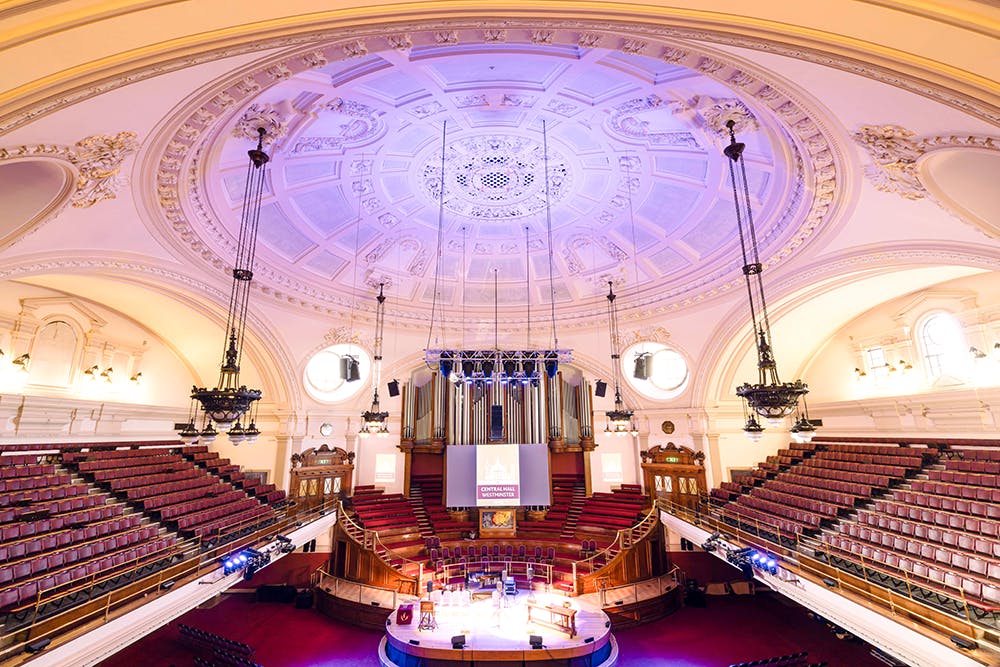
(976,353)
(22,362)
(859,374)
(906,367)
(91,372)
(136,379)
(108,374)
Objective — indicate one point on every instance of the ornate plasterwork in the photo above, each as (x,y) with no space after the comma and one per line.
(495,177)
(97,160)
(627,121)
(267,116)
(896,150)
(814,175)
(718,112)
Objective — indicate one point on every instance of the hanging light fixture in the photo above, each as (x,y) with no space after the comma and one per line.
(620,418)
(769,397)
(229,400)
(375,420)
(482,367)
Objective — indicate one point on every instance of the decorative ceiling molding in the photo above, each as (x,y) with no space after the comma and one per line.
(896,153)
(816,162)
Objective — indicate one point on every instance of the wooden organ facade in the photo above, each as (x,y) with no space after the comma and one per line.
(675,473)
(320,474)
(550,411)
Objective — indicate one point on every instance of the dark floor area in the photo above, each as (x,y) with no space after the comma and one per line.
(730,629)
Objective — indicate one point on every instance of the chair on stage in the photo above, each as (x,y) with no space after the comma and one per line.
(427,620)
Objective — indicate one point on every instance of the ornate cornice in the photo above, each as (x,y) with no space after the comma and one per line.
(632,32)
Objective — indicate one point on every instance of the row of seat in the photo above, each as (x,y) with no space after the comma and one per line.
(953,538)
(825,495)
(952,584)
(969,524)
(834,472)
(162,495)
(24,483)
(63,538)
(884,450)
(28,470)
(791,660)
(130,471)
(792,500)
(983,454)
(151,483)
(14,531)
(30,592)
(765,521)
(808,520)
(991,467)
(215,641)
(50,507)
(40,495)
(205,516)
(926,550)
(194,506)
(868,468)
(878,459)
(973,478)
(11,460)
(260,515)
(138,458)
(42,563)
(822,482)
(968,491)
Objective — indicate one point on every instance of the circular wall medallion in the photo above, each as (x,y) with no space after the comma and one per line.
(326,429)
(667,427)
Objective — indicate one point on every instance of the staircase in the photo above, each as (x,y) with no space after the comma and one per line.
(579,499)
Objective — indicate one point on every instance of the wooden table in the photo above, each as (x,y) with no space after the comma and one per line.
(552,616)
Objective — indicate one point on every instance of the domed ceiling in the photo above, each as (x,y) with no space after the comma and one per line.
(638,191)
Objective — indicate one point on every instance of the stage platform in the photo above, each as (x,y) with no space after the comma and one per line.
(500,635)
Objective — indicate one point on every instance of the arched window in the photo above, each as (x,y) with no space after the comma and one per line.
(326,373)
(943,345)
(655,370)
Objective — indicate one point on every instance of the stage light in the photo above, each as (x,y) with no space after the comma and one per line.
(458,642)
(535,641)
(963,643)
(588,640)
(39,645)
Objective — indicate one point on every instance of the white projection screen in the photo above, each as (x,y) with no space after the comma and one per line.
(497,475)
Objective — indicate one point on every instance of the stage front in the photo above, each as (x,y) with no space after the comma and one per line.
(498,632)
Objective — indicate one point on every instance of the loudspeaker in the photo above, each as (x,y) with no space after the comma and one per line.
(39,645)
(535,641)
(415,642)
(458,641)
(394,388)
(496,422)
(588,640)
(642,365)
(601,389)
(304,600)
(963,643)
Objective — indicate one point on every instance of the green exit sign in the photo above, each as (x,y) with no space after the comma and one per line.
(672,459)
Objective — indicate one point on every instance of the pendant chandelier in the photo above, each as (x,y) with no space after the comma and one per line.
(375,421)
(620,420)
(226,403)
(769,397)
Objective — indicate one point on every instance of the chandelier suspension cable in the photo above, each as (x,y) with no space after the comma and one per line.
(440,239)
(527,275)
(465,239)
(247,244)
(548,229)
(357,243)
(496,309)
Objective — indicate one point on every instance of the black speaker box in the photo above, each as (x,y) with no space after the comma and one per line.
(394,388)
(601,389)
(496,422)
(304,600)
(38,645)
(458,641)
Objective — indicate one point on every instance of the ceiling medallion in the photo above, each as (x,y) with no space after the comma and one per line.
(495,177)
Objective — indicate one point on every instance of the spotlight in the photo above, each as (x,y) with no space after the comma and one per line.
(551,365)
(509,367)
(829,582)
(488,367)
(535,641)
(39,645)
(458,642)
(447,365)
(588,640)
(468,368)
(528,366)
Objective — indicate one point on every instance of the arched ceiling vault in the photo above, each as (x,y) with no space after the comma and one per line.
(804,319)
